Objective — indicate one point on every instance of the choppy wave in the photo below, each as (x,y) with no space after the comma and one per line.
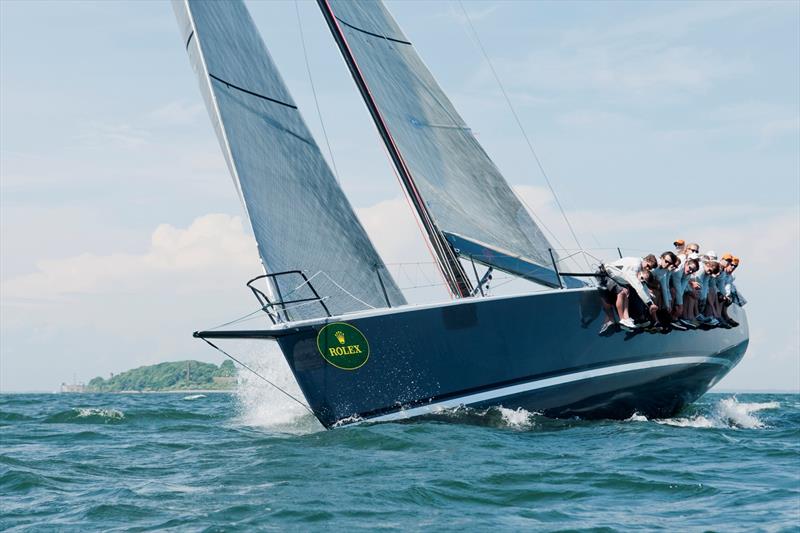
(156,462)
(87,415)
(110,415)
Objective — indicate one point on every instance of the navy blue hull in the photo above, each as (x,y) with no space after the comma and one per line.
(538,351)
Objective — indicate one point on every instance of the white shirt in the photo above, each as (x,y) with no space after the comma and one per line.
(625,272)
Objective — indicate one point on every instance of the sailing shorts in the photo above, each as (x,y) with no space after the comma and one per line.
(613,287)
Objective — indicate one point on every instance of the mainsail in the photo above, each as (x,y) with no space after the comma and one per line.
(469,200)
(300,216)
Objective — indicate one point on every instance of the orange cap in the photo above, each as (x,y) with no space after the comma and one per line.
(679,242)
(735,261)
(728,257)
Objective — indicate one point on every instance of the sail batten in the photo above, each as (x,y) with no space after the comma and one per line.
(460,186)
(300,217)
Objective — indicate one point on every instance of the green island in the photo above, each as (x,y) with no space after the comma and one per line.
(172,376)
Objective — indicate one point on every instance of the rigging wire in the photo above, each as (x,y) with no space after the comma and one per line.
(287,394)
(519,124)
(313,89)
(236,320)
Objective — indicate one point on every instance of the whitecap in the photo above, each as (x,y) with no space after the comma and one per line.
(114,414)
(727,413)
(194,396)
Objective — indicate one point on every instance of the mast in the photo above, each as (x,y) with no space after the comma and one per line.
(451,268)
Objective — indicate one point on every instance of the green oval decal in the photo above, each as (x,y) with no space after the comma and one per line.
(343,346)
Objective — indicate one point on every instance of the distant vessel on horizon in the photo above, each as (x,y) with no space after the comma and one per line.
(357,349)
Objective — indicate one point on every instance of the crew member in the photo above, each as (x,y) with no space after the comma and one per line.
(625,277)
(667,264)
(680,285)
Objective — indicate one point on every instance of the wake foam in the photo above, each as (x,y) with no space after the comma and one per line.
(517,418)
(726,413)
(496,417)
(260,404)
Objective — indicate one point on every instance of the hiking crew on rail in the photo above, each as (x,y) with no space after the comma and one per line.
(680,289)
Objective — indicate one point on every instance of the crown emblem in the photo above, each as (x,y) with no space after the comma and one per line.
(339,337)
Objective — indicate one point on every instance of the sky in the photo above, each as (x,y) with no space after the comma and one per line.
(121,232)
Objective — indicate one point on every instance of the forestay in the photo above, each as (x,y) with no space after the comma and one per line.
(300,216)
(461,186)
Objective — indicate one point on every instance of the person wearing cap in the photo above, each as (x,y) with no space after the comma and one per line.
(680,247)
(725,288)
(737,296)
(625,278)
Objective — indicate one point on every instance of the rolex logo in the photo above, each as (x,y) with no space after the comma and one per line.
(342,345)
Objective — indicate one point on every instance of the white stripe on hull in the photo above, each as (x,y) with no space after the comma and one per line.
(541,384)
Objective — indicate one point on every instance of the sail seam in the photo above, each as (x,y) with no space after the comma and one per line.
(378,35)
(242,89)
(226,148)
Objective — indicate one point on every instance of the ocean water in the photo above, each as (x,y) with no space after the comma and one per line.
(245,461)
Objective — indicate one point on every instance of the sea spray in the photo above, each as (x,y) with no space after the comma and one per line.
(726,413)
(740,415)
(261,404)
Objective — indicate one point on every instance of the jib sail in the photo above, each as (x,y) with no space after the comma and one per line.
(462,189)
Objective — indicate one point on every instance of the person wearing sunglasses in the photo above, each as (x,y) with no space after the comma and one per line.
(667,264)
(625,285)
(703,280)
(725,287)
(680,288)
(735,294)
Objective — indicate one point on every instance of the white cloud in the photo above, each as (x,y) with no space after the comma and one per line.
(639,69)
(177,113)
(606,120)
(664,25)
(780,126)
(213,249)
(122,136)
(145,304)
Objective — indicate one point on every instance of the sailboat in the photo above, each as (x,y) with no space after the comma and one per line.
(358,350)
